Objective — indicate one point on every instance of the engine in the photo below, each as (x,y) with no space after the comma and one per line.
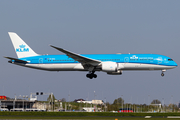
(119,72)
(109,66)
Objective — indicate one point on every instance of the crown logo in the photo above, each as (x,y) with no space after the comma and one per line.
(22,46)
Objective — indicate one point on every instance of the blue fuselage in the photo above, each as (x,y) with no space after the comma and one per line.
(153,59)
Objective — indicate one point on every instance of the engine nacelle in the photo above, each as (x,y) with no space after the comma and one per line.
(119,72)
(109,66)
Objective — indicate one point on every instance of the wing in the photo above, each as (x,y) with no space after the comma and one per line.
(83,60)
(16,60)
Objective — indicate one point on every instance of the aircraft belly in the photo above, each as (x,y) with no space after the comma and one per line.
(135,66)
(57,67)
(79,67)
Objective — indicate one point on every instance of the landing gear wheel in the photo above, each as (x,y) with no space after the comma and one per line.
(87,75)
(91,76)
(162,74)
(95,76)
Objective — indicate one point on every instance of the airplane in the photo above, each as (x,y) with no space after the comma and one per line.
(112,64)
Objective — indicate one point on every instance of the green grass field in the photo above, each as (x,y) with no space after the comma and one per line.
(85,118)
(86,115)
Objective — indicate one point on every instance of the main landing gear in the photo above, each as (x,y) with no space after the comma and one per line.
(91,75)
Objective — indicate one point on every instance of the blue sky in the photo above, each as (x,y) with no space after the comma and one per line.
(92,26)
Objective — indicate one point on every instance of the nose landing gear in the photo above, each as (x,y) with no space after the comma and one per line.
(91,75)
(162,74)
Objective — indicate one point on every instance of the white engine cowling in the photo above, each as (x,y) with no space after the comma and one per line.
(109,66)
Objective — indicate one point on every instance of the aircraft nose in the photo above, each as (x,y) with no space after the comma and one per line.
(175,64)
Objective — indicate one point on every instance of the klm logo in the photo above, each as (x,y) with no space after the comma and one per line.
(22,48)
(134,57)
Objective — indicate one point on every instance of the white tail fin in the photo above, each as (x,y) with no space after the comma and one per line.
(21,48)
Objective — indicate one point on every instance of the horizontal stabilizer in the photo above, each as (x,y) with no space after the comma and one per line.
(16,60)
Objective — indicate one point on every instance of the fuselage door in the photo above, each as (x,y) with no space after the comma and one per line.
(40,60)
(126,59)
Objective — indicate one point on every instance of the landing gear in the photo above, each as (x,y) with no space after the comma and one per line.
(162,74)
(91,75)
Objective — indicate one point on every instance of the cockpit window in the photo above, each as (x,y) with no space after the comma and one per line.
(170,59)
